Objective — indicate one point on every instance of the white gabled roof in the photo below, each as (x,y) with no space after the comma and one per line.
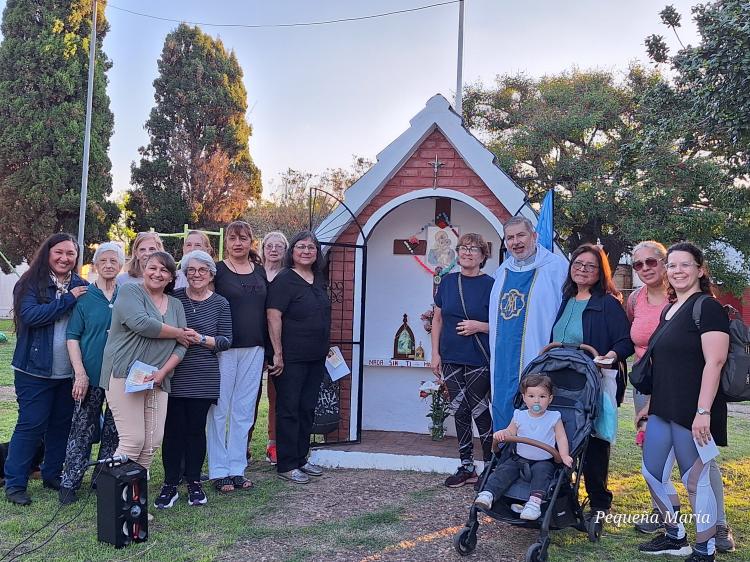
(437,113)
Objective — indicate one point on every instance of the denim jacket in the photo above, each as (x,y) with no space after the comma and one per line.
(35,323)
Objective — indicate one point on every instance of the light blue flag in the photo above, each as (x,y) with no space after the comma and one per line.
(545,226)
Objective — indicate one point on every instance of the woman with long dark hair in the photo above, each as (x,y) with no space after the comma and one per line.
(299,325)
(591,312)
(42,301)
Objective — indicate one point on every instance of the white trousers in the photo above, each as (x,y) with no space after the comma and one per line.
(230,419)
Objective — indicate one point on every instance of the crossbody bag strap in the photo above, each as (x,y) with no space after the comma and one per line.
(463,305)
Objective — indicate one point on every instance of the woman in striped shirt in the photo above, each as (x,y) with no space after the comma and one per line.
(196,381)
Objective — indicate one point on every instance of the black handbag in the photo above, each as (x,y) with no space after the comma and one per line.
(642,374)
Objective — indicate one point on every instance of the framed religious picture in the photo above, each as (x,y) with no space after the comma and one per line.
(403,342)
(441,246)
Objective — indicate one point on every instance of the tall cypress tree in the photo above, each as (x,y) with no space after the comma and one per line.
(43,80)
(197,167)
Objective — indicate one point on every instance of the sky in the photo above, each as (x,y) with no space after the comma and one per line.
(319,94)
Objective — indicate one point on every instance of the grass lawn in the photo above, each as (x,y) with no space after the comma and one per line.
(6,353)
(209,533)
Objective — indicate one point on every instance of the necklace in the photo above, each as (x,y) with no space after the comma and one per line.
(195,305)
(233,267)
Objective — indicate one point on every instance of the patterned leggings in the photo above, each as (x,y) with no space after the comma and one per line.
(84,432)
(469,391)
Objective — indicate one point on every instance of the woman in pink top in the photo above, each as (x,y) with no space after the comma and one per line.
(644,308)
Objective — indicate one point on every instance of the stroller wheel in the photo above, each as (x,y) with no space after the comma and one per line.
(537,552)
(594,529)
(465,541)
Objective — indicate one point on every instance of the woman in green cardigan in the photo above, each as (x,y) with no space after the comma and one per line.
(149,326)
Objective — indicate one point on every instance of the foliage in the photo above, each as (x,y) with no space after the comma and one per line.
(302,199)
(43,81)
(197,167)
(617,157)
(439,404)
(712,78)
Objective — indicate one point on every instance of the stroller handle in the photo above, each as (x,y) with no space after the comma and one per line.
(583,347)
(534,443)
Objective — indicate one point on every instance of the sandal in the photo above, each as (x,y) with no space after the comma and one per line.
(241,483)
(224,485)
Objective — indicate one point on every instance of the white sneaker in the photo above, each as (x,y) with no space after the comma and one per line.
(531,511)
(485,499)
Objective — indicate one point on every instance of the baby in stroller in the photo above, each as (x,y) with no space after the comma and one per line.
(536,422)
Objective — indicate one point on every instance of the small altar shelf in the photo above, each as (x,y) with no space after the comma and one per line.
(397,363)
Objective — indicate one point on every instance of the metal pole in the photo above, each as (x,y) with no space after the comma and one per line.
(460,63)
(87,136)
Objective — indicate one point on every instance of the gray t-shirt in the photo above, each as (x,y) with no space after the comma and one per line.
(61,366)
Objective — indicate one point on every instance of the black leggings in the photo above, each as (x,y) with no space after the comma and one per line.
(184,439)
(469,391)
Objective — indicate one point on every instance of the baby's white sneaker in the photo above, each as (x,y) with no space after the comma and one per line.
(484,499)
(532,510)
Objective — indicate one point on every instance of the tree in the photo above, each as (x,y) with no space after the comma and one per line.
(291,207)
(43,81)
(712,78)
(197,167)
(615,155)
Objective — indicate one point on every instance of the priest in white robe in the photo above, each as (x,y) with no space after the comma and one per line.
(523,304)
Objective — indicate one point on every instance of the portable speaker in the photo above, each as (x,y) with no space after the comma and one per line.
(122,504)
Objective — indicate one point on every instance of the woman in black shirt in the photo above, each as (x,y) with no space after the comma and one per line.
(299,325)
(687,359)
(242,281)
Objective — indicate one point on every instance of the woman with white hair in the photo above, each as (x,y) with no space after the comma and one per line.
(196,380)
(86,336)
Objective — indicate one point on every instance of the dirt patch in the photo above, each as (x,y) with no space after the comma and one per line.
(7,393)
(373,516)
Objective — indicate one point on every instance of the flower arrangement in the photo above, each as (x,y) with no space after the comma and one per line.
(426,318)
(438,407)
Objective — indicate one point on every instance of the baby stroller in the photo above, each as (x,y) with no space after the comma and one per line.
(576,381)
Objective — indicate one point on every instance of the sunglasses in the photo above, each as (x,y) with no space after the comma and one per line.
(651,262)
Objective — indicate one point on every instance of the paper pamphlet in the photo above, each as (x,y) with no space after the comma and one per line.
(708,451)
(136,375)
(336,365)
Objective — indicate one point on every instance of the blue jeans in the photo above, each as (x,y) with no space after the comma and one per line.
(45,409)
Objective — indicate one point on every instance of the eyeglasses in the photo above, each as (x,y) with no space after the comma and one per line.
(275,247)
(308,247)
(470,249)
(650,262)
(580,266)
(684,265)
(199,271)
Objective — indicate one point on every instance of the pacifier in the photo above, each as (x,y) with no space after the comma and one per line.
(536,408)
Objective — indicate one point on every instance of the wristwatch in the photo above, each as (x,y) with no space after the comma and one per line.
(703,412)
(203,339)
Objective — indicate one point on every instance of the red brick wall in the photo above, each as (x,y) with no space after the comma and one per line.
(742,304)
(415,174)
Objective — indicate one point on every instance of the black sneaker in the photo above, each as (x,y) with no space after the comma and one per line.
(196,495)
(724,539)
(67,495)
(462,477)
(698,557)
(18,497)
(650,524)
(167,497)
(664,544)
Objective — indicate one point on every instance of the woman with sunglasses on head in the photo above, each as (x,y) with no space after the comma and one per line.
(683,413)
(460,352)
(591,312)
(241,280)
(299,326)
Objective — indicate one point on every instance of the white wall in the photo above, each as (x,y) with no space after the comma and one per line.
(7,282)
(396,284)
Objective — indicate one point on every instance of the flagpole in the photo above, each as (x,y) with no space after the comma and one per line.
(460,62)
(87,137)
